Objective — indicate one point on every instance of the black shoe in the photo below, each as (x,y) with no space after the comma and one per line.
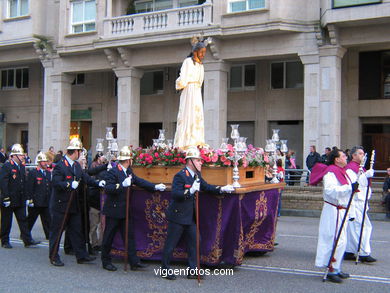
(169,277)
(137,266)
(6,245)
(349,256)
(367,258)
(86,259)
(334,279)
(57,263)
(343,275)
(31,243)
(109,267)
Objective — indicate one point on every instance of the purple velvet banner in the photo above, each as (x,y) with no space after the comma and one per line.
(230,225)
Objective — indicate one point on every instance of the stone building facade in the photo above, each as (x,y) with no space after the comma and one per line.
(319,70)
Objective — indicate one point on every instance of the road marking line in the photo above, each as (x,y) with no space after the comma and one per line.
(372,279)
(315,237)
(42,244)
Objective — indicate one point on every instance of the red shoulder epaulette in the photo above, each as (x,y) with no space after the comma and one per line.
(66,163)
(120,168)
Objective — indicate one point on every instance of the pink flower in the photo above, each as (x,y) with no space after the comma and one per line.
(227,163)
(250,147)
(223,159)
(231,154)
(156,155)
(219,153)
(230,147)
(214,158)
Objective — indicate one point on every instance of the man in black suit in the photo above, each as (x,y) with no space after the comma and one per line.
(14,198)
(181,210)
(67,175)
(3,156)
(119,179)
(38,192)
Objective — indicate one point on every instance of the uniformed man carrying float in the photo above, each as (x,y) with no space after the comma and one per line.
(119,181)
(64,208)
(181,211)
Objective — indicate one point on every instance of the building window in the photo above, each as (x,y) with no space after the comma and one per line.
(152,83)
(287,74)
(79,79)
(243,76)
(17,8)
(14,78)
(245,5)
(83,16)
(374,75)
(348,3)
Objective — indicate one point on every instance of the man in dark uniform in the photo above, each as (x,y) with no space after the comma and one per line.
(38,192)
(119,179)
(3,156)
(14,198)
(181,210)
(66,177)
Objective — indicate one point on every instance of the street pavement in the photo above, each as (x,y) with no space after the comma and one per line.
(289,268)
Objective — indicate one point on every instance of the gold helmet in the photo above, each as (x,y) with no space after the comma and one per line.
(124,154)
(192,152)
(41,157)
(17,150)
(75,144)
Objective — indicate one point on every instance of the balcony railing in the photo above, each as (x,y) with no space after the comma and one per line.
(165,20)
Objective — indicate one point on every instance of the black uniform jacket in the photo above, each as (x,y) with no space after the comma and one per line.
(63,175)
(182,206)
(115,204)
(39,187)
(13,183)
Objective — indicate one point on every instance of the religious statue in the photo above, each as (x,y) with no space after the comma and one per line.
(190,121)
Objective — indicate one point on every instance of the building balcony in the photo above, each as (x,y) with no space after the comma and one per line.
(170,20)
(374,12)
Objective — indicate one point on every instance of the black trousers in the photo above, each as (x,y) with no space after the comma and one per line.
(73,228)
(175,231)
(6,223)
(112,226)
(33,214)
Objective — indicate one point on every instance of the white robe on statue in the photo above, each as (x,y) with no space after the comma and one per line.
(190,121)
(338,195)
(353,230)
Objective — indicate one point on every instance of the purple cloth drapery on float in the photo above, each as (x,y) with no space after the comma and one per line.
(230,225)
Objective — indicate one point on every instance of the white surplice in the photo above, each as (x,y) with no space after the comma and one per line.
(338,195)
(190,121)
(353,230)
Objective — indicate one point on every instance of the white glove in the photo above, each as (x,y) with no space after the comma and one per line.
(75,184)
(160,187)
(227,189)
(370,173)
(102,183)
(30,203)
(195,187)
(109,167)
(127,182)
(6,203)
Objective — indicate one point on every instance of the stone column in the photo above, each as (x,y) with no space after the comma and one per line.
(215,101)
(311,102)
(128,105)
(330,96)
(56,108)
